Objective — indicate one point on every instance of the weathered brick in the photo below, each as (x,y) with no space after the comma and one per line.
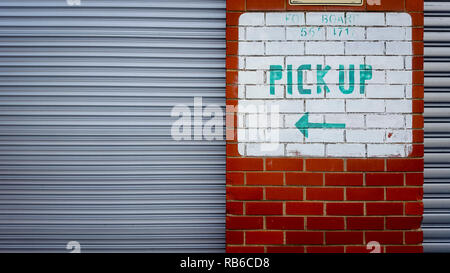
(264,178)
(365,223)
(244,193)
(263,208)
(285,222)
(304,179)
(284,164)
(343,179)
(344,237)
(328,194)
(304,208)
(384,208)
(406,222)
(364,194)
(244,222)
(345,208)
(264,237)
(325,223)
(305,237)
(384,179)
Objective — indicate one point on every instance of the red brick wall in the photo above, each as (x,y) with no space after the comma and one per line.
(324,205)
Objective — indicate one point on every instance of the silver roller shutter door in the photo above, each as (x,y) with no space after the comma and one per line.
(85,148)
(436,223)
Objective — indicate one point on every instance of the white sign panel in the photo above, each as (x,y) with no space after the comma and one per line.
(325,84)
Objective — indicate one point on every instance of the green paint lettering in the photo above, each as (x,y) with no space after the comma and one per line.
(320,78)
(275,75)
(351,87)
(365,74)
(300,70)
(289,79)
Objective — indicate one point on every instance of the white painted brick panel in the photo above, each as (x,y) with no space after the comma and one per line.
(251,106)
(316,118)
(291,119)
(287,106)
(296,61)
(265,149)
(241,91)
(350,120)
(280,48)
(285,19)
(365,106)
(408,91)
(399,136)
(332,78)
(346,33)
(385,91)
(335,61)
(325,18)
(408,62)
(398,19)
(242,33)
(324,48)
(265,33)
(399,77)
(263,62)
(241,63)
(398,48)
(252,19)
(282,81)
(251,77)
(263,92)
(255,135)
(386,62)
(367,136)
(346,150)
(381,33)
(265,120)
(337,94)
(399,106)
(272,135)
(297,95)
(251,48)
(364,48)
(366,19)
(305,33)
(386,150)
(325,135)
(325,106)
(242,135)
(241,149)
(291,136)
(408,34)
(241,120)
(408,121)
(313,150)
(385,121)
(377,121)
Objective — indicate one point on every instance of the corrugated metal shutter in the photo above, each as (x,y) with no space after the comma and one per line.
(436,223)
(85,148)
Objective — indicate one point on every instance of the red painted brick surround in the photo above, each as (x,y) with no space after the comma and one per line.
(324,205)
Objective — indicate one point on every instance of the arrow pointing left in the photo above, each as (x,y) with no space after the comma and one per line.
(303,125)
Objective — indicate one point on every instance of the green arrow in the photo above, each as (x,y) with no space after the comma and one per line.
(303,125)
